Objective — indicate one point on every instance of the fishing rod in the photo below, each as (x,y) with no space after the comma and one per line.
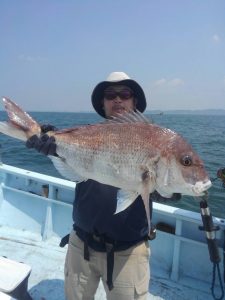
(210,231)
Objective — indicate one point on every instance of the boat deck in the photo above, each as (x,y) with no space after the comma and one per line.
(46,259)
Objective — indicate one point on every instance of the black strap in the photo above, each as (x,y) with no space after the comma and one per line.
(64,241)
(210,230)
(86,250)
(110,249)
(110,259)
(216,266)
(110,265)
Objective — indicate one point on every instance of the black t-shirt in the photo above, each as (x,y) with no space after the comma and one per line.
(94,208)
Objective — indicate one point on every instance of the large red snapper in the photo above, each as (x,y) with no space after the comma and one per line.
(128,152)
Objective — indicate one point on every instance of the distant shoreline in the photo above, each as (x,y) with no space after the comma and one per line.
(188,112)
(152,112)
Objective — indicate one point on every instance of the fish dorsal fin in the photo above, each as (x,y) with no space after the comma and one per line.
(65,170)
(129,117)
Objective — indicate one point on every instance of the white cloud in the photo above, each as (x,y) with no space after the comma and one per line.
(160,82)
(175,82)
(216,38)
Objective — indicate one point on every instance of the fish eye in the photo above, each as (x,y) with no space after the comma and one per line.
(186,161)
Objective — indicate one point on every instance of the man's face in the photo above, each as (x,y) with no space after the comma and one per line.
(118,99)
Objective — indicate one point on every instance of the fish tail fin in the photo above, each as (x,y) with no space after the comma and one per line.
(20,124)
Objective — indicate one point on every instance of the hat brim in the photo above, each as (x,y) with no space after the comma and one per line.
(98,94)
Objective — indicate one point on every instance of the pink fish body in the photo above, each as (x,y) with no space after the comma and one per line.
(127,152)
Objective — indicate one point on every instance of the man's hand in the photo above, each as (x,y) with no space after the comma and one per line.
(47,127)
(45,144)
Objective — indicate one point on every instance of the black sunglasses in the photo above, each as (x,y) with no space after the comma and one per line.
(124,94)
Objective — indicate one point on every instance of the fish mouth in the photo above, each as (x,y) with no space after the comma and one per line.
(201,187)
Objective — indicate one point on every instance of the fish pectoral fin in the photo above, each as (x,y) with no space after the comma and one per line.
(125,199)
(65,170)
(145,197)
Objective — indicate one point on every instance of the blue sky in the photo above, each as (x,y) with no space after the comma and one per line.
(53,53)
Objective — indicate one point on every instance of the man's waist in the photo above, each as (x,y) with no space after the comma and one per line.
(99,242)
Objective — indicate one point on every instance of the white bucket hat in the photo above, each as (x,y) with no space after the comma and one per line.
(117,78)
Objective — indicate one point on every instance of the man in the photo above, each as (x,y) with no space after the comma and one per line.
(104,245)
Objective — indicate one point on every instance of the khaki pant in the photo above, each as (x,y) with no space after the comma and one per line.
(130,274)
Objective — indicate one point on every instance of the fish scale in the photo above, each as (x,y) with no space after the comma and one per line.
(111,158)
